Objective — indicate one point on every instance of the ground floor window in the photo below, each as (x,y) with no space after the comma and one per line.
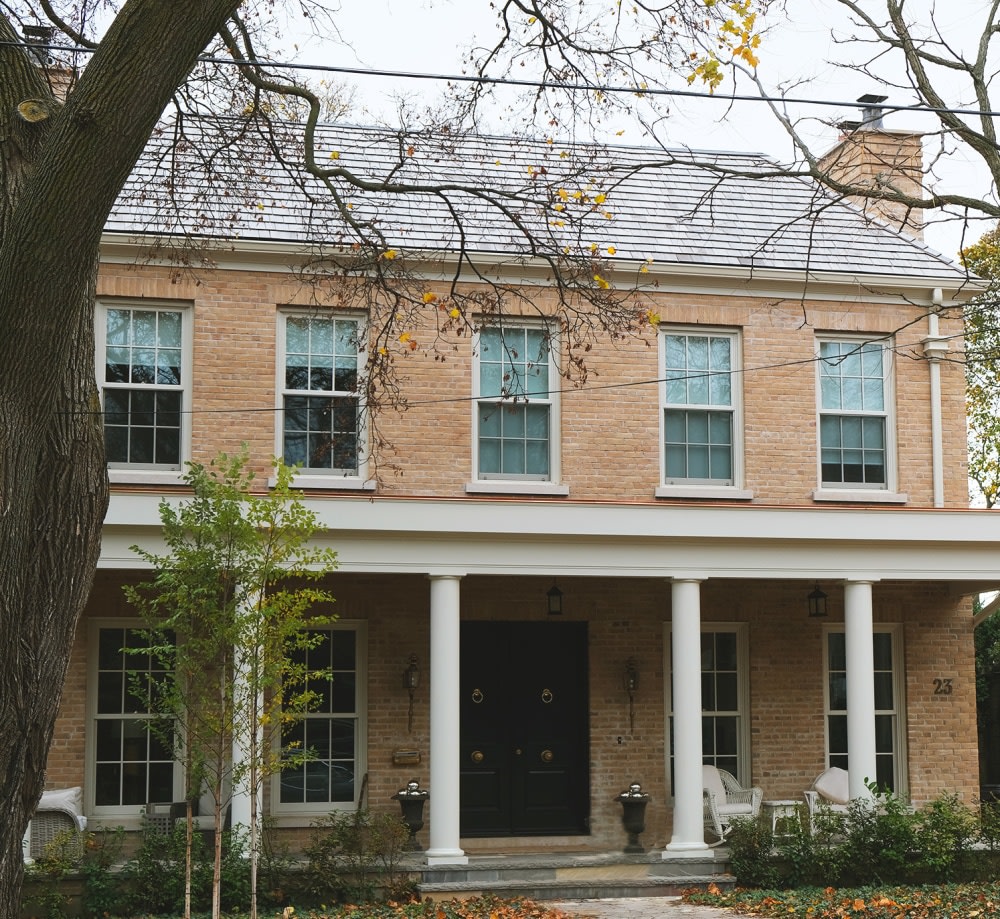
(725,695)
(131,756)
(331,731)
(889,708)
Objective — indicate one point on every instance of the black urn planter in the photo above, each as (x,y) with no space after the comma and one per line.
(411,802)
(633,804)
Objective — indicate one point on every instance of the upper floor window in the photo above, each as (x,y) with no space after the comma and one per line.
(322,411)
(700,424)
(853,414)
(142,371)
(515,406)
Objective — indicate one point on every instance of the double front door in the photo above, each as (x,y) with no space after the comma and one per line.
(524,729)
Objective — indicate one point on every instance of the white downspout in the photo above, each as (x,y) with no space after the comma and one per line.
(935,349)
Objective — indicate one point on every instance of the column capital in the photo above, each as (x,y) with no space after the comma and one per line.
(688,577)
(444,575)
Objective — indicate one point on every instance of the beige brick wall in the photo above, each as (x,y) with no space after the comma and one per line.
(610,436)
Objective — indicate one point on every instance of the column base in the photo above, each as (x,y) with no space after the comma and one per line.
(446,857)
(687,850)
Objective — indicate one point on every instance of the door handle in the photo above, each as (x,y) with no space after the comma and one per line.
(478,756)
(518,751)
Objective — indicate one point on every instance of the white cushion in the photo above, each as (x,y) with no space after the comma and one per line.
(832,785)
(730,810)
(712,781)
(67,800)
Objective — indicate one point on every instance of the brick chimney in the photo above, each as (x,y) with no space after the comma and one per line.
(61,77)
(869,155)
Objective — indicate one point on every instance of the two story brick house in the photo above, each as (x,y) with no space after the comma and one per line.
(563,587)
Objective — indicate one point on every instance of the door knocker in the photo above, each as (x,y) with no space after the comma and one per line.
(547,696)
(477,696)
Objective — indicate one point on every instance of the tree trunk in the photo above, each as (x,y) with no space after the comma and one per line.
(61,169)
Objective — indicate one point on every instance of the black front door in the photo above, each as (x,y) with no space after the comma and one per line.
(525,750)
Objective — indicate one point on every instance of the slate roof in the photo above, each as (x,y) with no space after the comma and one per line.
(677,207)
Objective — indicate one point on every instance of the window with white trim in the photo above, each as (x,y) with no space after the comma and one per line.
(889,707)
(854,422)
(700,408)
(331,731)
(514,405)
(142,357)
(131,756)
(322,362)
(725,694)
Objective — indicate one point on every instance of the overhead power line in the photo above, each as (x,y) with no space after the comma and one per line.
(608,88)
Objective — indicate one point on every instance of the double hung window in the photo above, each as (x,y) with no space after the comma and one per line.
(330,731)
(515,405)
(889,709)
(132,749)
(724,699)
(142,372)
(853,414)
(322,412)
(700,401)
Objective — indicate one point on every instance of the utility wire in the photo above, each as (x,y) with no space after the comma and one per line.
(609,88)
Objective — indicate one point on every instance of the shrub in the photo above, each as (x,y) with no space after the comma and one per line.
(356,856)
(751,846)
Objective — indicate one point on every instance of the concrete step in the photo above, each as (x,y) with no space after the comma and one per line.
(572,877)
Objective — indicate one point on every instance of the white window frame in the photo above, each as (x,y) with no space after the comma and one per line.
(704,488)
(897,713)
(127,815)
(303,814)
(500,484)
(124,473)
(742,632)
(321,478)
(860,491)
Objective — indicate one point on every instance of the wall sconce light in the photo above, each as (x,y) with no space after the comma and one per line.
(817,603)
(411,680)
(631,682)
(555,597)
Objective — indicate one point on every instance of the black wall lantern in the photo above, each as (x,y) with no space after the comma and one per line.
(411,680)
(817,604)
(555,596)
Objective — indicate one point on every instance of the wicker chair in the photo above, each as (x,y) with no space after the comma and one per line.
(829,797)
(725,800)
(59,815)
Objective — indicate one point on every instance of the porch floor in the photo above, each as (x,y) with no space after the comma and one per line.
(570,876)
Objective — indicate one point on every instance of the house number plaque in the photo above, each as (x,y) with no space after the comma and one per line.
(943,687)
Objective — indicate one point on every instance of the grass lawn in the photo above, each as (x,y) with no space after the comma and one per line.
(954,901)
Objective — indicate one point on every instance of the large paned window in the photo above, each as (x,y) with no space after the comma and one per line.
(889,707)
(142,386)
(699,408)
(132,756)
(853,414)
(514,404)
(322,417)
(724,699)
(330,731)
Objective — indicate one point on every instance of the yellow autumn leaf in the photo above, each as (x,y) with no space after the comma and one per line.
(653,318)
(559,207)
(404,337)
(334,154)
(600,199)
(611,250)
(389,254)
(600,282)
(430,297)
(563,194)
(454,312)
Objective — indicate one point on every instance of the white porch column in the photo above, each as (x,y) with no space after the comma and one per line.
(240,794)
(689,824)
(445,733)
(859,646)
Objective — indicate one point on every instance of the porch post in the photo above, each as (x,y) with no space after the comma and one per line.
(445,733)
(689,823)
(859,645)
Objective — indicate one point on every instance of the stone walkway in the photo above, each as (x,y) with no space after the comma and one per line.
(641,908)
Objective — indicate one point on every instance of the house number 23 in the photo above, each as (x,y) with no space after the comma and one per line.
(942,686)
